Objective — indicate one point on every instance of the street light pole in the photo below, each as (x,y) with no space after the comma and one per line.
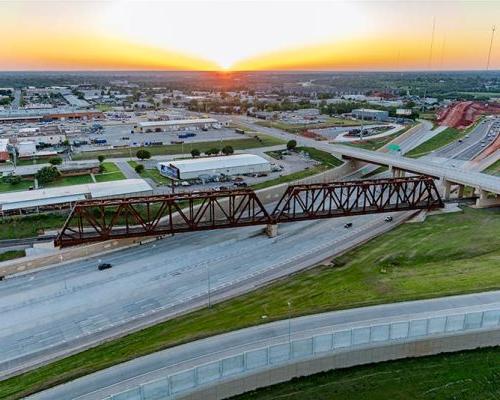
(208,285)
(289,321)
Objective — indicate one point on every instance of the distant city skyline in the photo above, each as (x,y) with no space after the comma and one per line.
(249,35)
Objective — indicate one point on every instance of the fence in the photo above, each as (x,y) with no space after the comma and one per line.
(315,346)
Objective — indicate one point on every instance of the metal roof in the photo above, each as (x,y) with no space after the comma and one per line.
(210,163)
(179,122)
(57,195)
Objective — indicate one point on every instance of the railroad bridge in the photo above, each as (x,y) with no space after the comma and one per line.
(98,220)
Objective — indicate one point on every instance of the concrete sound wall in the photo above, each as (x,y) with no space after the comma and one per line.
(272,376)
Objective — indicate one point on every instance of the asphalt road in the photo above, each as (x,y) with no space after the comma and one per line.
(144,369)
(63,309)
(470,147)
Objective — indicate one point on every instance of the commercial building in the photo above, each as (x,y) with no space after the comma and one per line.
(213,166)
(66,196)
(177,125)
(369,114)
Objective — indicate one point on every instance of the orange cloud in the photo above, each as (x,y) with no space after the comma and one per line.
(91,52)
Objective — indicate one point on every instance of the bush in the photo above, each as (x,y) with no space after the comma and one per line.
(56,161)
(227,150)
(47,174)
(195,153)
(101,158)
(143,155)
(291,145)
(139,168)
(12,179)
(213,151)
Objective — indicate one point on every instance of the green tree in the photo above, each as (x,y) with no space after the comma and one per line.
(291,145)
(47,174)
(227,150)
(56,161)
(143,155)
(12,179)
(195,153)
(101,158)
(139,168)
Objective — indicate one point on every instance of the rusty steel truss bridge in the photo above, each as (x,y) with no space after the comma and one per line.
(98,220)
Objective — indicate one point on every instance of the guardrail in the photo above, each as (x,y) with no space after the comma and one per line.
(301,349)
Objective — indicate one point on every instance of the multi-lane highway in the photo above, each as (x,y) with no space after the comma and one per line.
(158,365)
(58,310)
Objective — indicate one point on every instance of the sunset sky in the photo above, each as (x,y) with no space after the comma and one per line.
(248,35)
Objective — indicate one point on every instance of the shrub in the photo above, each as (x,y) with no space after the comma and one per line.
(139,168)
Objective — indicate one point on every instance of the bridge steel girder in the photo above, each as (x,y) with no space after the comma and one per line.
(98,220)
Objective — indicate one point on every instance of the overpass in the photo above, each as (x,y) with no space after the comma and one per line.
(486,186)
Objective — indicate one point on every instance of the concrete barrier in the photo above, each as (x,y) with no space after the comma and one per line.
(402,337)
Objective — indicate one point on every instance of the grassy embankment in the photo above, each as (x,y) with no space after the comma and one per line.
(12,254)
(326,159)
(493,169)
(297,128)
(237,144)
(410,262)
(468,375)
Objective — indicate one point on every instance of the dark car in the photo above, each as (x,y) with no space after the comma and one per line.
(104,266)
(388,219)
(348,225)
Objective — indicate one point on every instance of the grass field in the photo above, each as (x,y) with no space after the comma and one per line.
(493,169)
(25,184)
(468,375)
(411,262)
(237,144)
(375,144)
(327,161)
(153,174)
(70,180)
(110,172)
(12,254)
(29,226)
(296,128)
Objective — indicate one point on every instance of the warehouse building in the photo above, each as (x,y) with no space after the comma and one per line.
(213,166)
(177,125)
(63,197)
(368,114)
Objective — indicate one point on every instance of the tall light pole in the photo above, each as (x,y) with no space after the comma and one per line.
(208,285)
(289,321)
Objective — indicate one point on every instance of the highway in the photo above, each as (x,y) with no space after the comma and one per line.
(55,311)
(157,365)
(472,145)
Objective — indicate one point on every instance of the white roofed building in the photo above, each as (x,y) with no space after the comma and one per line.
(238,164)
(177,125)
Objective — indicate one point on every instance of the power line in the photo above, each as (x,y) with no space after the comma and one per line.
(432,42)
(491,45)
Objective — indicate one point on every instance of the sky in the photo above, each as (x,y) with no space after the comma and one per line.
(249,35)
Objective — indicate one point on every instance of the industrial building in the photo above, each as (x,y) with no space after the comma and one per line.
(212,166)
(177,125)
(368,114)
(66,196)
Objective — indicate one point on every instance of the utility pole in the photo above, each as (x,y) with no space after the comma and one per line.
(289,321)
(491,46)
(208,286)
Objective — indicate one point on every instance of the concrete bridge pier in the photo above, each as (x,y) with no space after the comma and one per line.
(446,189)
(484,201)
(272,230)
(461,189)
(396,172)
